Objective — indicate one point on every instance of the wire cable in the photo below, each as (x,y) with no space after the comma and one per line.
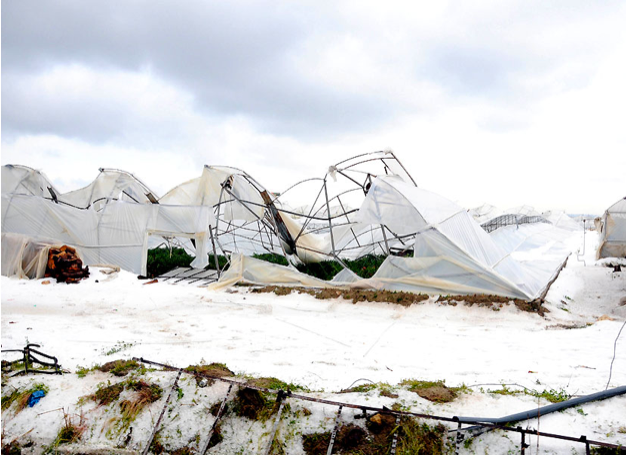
(614,351)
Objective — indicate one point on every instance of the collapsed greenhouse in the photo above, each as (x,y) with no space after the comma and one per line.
(366,205)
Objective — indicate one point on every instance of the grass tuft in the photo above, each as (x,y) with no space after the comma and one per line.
(120,367)
(20,397)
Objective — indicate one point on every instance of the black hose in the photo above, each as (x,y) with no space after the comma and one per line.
(534,413)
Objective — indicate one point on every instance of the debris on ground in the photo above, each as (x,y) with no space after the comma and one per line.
(65,265)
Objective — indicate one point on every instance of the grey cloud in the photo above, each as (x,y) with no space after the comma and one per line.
(237,60)
(234,60)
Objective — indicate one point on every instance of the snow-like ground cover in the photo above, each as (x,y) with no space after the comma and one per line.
(325,345)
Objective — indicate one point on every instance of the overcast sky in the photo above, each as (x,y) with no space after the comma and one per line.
(507,103)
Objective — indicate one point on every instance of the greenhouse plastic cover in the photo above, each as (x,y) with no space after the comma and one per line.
(452,254)
(115,220)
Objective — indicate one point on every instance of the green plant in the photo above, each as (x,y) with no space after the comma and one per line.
(81,371)
(118,347)
(272,257)
(221,260)
(552,395)
(162,260)
(70,432)
(109,394)
(276,384)
(362,388)
(415,438)
(145,394)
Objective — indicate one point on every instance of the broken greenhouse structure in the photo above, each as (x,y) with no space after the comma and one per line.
(366,205)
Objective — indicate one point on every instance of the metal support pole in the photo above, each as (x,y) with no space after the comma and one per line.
(330,224)
(459,439)
(279,399)
(26,358)
(333,435)
(583,439)
(394,442)
(167,402)
(382,227)
(217,263)
(205,446)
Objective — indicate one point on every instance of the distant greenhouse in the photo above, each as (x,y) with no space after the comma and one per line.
(612,227)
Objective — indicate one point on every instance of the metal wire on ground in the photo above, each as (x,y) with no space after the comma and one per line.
(474,421)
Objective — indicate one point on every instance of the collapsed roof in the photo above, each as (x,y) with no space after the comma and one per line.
(368,204)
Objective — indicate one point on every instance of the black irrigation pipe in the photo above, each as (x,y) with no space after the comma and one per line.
(537,412)
(477,421)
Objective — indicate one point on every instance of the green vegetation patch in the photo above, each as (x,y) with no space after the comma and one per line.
(415,437)
(162,260)
(276,384)
(109,394)
(325,270)
(272,258)
(81,371)
(70,432)
(145,395)
(551,395)
(253,404)
(120,367)
(365,266)
(363,388)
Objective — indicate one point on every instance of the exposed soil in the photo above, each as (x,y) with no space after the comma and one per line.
(218,370)
(356,295)
(349,439)
(494,302)
(412,436)
(437,392)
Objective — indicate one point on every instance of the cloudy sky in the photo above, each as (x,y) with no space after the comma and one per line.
(509,103)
